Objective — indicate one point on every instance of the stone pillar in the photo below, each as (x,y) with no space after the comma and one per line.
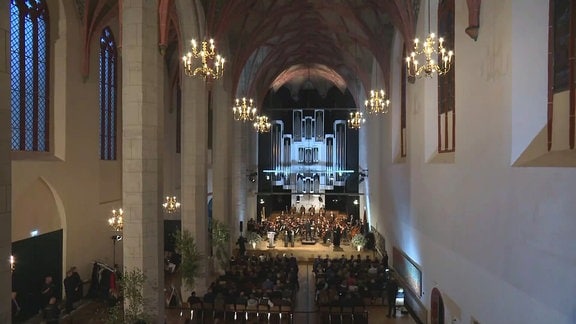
(251,157)
(238,166)
(5,166)
(194,156)
(141,137)
(221,157)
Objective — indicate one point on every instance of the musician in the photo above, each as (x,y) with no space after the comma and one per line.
(336,236)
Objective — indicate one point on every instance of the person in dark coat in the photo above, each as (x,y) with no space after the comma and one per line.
(72,288)
(241,242)
(392,291)
(47,291)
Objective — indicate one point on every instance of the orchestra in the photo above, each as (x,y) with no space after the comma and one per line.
(308,226)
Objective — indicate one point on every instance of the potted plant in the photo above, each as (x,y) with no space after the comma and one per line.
(220,241)
(132,309)
(253,238)
(359,241)
(191,263)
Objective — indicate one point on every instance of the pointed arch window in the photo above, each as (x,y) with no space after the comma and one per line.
(29,55)
(562,68)
(108,63)
(446,83)
(403,144)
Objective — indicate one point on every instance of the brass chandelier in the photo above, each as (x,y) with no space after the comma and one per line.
(262,125)
(356,120)
(433,47)
(204,62)
(244,110)
(171,204)
(378,102)
(117,220)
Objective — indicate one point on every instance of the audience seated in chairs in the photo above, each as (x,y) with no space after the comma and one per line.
(260,286)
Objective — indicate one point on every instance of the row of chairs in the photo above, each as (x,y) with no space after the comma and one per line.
(207,312)
(343,314)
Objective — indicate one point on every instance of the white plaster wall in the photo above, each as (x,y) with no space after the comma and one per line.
(87,188)
(495,239)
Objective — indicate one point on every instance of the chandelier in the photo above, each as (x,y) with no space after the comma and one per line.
(171,204)
(356,120)
(262,125)
(117,220)
(244,110)
(378,102)
(204,62)
(432,48)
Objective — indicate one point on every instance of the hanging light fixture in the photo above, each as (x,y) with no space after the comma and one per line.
(203,62)
(378,102)
(262,125)
(356,120)
(171,204)
(244,110)
(433,47)
(117,220)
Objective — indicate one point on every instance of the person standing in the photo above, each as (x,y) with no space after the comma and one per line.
(72,288)
(392,291)
(69,289)
(241,242)
(47,291)
(79,289)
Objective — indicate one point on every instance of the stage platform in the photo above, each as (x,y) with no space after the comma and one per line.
(307,252)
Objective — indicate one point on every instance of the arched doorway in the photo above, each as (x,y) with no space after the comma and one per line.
(436,307)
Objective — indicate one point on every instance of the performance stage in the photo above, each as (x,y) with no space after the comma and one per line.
(307,252)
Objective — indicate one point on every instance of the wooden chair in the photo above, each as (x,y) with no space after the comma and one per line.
(251,309)
(361,314)
(239,311)
(273,310)
(325,313)
(263,309)
(195,309)
(220,310)
(286,310)
(207,309)
(346,312)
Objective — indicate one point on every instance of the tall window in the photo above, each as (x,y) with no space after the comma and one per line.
(562,63)
(29,54)
(403,144)
(446,88)
(108,62)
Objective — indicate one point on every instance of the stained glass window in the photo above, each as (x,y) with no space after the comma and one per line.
(29,31)
(108,61)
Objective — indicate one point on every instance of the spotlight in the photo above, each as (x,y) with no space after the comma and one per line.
(117,237)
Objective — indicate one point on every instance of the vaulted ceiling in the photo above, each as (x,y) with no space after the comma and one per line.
(291,43)
(274,43)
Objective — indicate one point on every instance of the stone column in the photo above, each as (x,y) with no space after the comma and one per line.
(251,157)
(221,162)
(141,127)
(5,166)
(194,156)
(238,166)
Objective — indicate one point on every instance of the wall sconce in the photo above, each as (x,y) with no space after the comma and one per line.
(12,263)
